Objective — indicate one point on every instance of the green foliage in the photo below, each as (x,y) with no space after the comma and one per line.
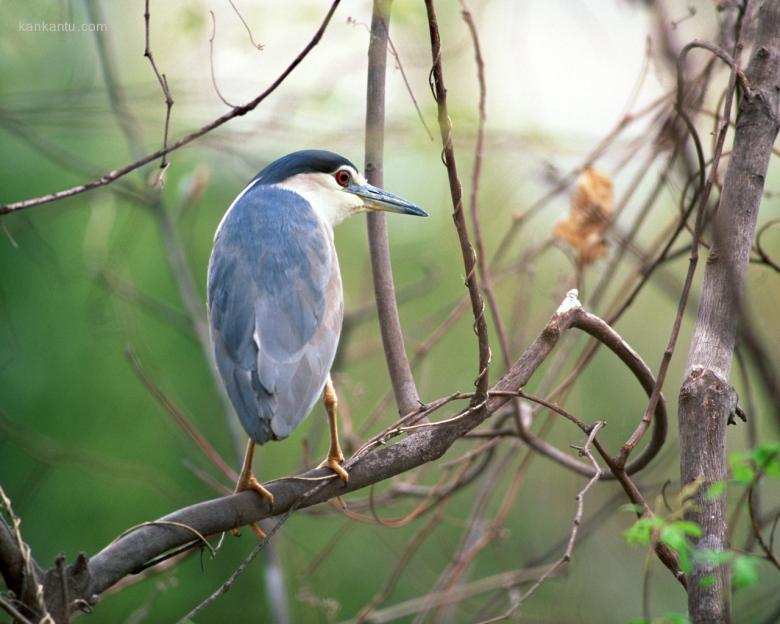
(715,490)
(764,458)
(742,471)
(713,557)
(641,532)
(767,457)
(744,571)
(674,534)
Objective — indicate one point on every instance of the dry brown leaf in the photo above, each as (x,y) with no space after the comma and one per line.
(589,216)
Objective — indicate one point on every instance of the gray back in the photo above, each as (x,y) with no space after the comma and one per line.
(275,309)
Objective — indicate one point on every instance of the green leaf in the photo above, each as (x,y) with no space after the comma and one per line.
(631,507)
(641,532)
(767,458)
(707,581)
(744,571)
(715,490)
(742,472)
(687,527)
(713,557)
(676,538)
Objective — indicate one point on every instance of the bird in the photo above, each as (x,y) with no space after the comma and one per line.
(275,299)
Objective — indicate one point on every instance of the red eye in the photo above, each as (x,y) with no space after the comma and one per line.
(342,177)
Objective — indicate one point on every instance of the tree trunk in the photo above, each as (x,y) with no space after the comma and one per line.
(706,398)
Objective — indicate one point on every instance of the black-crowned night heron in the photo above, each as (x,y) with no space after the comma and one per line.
(275,300)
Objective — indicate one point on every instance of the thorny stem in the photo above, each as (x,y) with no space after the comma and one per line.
(456,190)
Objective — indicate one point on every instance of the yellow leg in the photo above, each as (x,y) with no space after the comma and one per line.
(247,481)
(335,457)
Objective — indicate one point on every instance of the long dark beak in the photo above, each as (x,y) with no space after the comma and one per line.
(375,198)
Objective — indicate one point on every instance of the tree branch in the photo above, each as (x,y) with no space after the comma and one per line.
(404,388)
(456,191)
(375,462)
(706,398)
(238,111)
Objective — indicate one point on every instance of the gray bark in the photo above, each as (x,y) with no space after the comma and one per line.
(404,388)
(706,398)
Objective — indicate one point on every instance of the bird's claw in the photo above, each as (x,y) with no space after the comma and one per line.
(250,483)
(255,528)
(334,463)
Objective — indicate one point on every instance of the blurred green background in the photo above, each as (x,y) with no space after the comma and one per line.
(86,451)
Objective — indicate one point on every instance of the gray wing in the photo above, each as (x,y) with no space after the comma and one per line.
(275,309)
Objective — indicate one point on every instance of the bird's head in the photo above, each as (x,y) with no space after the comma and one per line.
(332,185)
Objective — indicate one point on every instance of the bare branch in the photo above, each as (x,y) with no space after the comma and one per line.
(163,83)
(575,526)
(456,190)
(482,259)
(20,572)
(372,464)
(225,587)
(258,46)
(211,60)
(238,111)
(501,581)
(706,398)
(179,417)
(406,396)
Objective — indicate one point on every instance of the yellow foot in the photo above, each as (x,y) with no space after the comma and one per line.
(253,484)
(255,528)
(334,463)
(250,483)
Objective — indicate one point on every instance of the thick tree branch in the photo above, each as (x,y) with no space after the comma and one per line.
(706,398)
(374,463)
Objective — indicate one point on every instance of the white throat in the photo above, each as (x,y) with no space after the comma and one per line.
(329,201)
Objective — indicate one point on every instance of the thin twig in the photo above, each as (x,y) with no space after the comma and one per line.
(9,608)
(211,60)
(456,191)
(179,417)
(258,46)
(482,263)
(767,548)
(238,111)
(575,526)
(163,84)
(225,587)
